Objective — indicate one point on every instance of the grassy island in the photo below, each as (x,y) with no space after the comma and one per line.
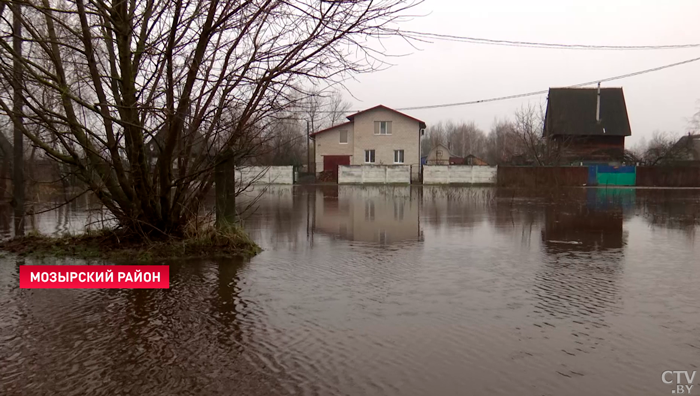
(113,245)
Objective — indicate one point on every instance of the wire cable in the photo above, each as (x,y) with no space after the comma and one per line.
(526,94)
(531,44)
(534,93)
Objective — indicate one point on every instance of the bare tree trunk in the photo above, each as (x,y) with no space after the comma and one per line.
(104,87)
(18,149)
(225,185)
(5,170)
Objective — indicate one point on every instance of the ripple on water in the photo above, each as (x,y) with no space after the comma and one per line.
(451,292)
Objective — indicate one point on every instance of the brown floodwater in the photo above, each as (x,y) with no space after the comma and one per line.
(385,291)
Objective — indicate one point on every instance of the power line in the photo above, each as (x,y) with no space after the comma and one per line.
(526,94)
(534,93)
(531,44)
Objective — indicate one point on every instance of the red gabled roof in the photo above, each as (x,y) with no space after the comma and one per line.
(352,116)
(422,123)
(328,129)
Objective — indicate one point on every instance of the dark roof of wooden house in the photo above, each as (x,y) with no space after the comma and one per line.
(572,112)
(689,146)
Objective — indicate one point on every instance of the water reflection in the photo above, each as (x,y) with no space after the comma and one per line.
(592,222)
(584,244)
(386,291)
(374,214)
(135,341)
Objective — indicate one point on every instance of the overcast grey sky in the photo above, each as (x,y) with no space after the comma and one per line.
(444,72)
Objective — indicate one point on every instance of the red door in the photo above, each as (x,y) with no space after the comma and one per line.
(331,162)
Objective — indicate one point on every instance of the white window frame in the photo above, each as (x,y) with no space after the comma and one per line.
(340,137)
(403,156)
(383,125)
(372,154)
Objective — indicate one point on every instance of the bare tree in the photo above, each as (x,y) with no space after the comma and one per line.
(17,106)
(635,154)
(695,122)
(466,138)
(435,135)
(286,145)
(665,147)
(338,108)
(313,110)
(503,144)
(142,99)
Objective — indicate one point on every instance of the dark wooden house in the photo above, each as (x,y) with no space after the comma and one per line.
(587,124)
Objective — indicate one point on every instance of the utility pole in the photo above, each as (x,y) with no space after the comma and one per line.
(308,150)
(17,106)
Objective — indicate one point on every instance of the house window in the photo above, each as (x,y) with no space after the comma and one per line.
(438,153)
(369,156)
(398,156)
(382,127)
(343,137)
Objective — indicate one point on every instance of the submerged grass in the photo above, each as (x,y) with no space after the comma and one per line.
(205,242)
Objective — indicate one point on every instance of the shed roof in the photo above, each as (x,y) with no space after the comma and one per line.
(572,111)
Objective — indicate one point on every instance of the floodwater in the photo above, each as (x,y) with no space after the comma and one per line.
(386,291)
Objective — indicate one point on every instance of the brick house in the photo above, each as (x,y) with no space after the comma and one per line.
(587,124)
(377,136)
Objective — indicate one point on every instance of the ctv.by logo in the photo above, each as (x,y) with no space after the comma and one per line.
(682,377)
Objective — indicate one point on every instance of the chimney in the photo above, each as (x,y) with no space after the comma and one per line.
(597,108)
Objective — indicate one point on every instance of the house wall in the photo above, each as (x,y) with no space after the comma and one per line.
(459,174)
(443,159)
(379,214)
(405,135)
(591,148)
(328,143)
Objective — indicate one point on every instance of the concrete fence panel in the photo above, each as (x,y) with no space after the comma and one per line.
(459,174)
(398,174)
(349,174)
(374,174)
(265,175)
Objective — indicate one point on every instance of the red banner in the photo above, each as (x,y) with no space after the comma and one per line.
(94,277)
